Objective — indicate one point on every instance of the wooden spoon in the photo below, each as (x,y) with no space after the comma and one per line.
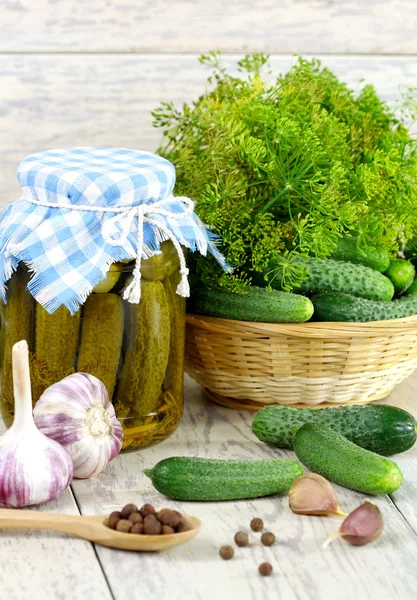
(95,529)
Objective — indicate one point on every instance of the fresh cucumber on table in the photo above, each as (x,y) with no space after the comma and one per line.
(380,428)
(333,456)
(204,479)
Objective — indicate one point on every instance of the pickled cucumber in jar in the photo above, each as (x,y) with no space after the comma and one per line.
(162,265)
(147,332)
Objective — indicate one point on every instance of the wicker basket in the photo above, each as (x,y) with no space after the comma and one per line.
(249,365)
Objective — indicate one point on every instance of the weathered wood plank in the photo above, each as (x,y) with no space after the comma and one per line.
(54,101)
(43,565)
(302,569)
(404,396)
(377,26)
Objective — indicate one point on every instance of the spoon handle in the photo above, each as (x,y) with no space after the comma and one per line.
(30,519)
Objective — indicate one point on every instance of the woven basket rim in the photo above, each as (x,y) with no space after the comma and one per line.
(308,330)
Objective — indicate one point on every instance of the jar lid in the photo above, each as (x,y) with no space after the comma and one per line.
(96,176)
(83,209)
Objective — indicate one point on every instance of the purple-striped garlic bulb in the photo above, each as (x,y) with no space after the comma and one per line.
(77,413)
(33,468)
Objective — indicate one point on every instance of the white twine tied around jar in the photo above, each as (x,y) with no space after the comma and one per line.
(126,215)
(143,212)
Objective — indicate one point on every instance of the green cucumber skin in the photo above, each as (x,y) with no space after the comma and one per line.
(204,479)
(337,306)
(401,273)
(412,289)
(338,276)
(372,257)
(380,428)
(331,455)
(259,304)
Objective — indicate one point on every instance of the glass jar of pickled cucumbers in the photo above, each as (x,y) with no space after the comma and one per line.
(137,350)
(105,239)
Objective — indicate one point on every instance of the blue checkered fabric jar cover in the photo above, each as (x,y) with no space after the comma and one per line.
(83,209)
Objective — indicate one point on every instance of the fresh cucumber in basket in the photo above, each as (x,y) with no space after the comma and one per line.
(258,304)
(331,455)
(334,275)
(337,306)
(372,257)
(412,289)
(401,273)
(377,427)
(204,479)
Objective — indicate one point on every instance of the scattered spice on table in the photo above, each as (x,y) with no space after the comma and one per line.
(256,524)
(265,569)
(241,539)
(268,538)
(226,552)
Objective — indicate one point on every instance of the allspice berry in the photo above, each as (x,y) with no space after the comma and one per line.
(256,524)
(124,525)
(151,525)
(167,530)
(137,528)
(114,518)
(265,569)
(128,510)
(184,525)
(241,539)
(226,552)
(169,517)
(135,517)
(268,538)
(147,509)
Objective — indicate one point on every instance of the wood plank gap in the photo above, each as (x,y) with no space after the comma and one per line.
(392,501)
(229,53)
(94,548)
(72,494)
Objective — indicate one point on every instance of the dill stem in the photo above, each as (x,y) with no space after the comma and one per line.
(274,199)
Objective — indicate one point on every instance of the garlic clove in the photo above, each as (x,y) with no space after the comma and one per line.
(362,526)
(33,468)
(77,413)
(312,494)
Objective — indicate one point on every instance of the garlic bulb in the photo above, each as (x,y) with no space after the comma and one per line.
(33,468)
(77,413)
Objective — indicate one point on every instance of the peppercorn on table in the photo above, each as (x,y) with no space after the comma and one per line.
(46,566)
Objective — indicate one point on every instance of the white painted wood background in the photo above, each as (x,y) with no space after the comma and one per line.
(89,73)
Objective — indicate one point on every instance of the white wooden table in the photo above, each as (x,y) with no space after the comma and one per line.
(48,566)
(89,73)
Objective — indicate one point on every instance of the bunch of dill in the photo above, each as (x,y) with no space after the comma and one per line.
(283,169)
